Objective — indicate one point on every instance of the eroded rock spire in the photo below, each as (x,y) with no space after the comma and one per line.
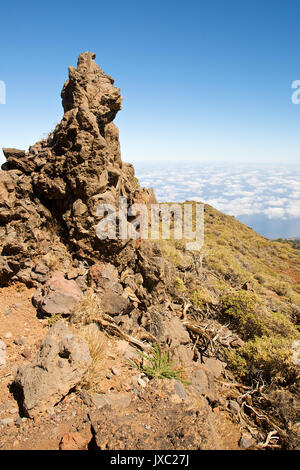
(50,194)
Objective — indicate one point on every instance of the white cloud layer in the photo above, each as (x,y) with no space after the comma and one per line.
(240,191)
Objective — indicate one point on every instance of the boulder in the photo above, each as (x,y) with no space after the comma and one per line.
(59,365)
(113,304)
(175,333)
(213,366)
(167,328)
(58,296)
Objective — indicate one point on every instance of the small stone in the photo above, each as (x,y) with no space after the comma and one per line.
(6,421)
(38,277)
(72,273)
(246,441)
(17,306)
(20,341)
(234,406)
(116,371)
(296,353)
(141,382)
(126,386)
(26,353)
(19,422)
(13,411)
(2,354)
(53,432)
(130,354)
(8,312)
(85,398)
(41,268)
(174,398)
(115,400)
(8,335)
(180,390)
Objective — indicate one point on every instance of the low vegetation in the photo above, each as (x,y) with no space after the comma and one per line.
(87,310)
(86,315)
(97,343)
(157,365)
(54,318)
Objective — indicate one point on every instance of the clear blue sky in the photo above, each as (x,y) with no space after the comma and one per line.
(201,80)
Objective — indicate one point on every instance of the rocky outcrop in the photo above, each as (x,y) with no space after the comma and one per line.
(50,194)
(59,365)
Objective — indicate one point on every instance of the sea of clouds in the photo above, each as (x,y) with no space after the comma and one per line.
(266,199)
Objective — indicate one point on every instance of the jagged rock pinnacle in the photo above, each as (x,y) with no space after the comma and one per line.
(54,189)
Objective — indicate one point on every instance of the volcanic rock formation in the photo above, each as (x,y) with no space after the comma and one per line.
(50,194)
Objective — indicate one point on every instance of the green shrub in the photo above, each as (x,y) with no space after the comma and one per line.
(136,183)
(200,298)
(281,288)
(54,318)
(242,309)
(237,362)
(280,324)
(270,354)
(179,285)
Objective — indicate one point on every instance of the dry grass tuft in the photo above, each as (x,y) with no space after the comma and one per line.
(87,310)
(85,314)
(97,343)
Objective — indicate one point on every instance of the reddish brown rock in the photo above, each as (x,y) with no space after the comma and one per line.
(105,276)
(72,441)
(58,296)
